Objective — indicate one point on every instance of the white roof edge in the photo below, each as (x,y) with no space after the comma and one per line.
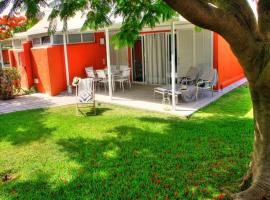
(42,26)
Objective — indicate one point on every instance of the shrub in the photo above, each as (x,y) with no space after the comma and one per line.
(9,83)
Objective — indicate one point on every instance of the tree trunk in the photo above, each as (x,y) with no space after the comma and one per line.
(260,188)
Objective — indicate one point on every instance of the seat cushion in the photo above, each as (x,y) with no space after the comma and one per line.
(85,97)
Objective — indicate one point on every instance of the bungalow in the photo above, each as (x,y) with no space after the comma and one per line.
(50,62)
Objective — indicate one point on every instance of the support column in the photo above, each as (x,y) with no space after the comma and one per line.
(2,59)
(173,65)
(69,88)
(109,62)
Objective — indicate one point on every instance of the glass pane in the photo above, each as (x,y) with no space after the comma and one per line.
(74,38)
(88,37)
(36,41)
(58,39)
(17,43)
(46,40)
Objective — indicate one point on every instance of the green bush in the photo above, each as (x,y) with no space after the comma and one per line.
(9,83)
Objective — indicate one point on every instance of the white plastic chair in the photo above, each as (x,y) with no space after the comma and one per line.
(125,77)
(103,78)
(123,67)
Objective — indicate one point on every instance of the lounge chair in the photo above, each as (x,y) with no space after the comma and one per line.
(191,76)
(207,81)
(166,91)
(85,93)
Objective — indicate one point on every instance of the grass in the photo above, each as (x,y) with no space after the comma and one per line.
(126,154)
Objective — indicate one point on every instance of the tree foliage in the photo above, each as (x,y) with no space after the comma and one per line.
(248,35)
(10,24)
(135,14)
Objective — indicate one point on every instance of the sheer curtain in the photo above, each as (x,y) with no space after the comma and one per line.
(186,51)
(194,49)
(118,56)
(155,58)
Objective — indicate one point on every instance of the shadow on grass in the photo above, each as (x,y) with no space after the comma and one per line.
(180,161)
(24,127)
(148,157)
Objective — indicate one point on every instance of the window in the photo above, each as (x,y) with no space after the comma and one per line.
(88,37)
(17,44)
(74,38)
(46,40)
(58,39)
(36,42)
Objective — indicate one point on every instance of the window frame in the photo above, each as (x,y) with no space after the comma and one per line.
(92,41)
(16,47)
(57,43)
(68,40)
(46,44)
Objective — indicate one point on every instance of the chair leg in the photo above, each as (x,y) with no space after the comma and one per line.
(94,107)
(123,86)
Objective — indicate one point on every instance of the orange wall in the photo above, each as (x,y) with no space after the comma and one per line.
(11,58)
(83,55)
(49,65)
(5,56)
(57,70)
(17,59)
(26,62)
(40,67)
(227,65)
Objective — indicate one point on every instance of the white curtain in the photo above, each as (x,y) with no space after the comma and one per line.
(185,53)
(203,50)
(118,56)
(194,49)
(155,58)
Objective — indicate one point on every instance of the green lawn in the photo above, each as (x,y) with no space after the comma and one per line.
(126,154)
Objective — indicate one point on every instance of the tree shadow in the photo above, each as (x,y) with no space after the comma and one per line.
(23,127)
(152,158)
(144,163)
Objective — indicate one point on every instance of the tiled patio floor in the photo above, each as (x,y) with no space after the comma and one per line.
(139,96)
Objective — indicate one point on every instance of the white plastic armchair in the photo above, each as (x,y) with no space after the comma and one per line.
(207,81)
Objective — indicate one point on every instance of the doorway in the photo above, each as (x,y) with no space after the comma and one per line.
(137,60)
